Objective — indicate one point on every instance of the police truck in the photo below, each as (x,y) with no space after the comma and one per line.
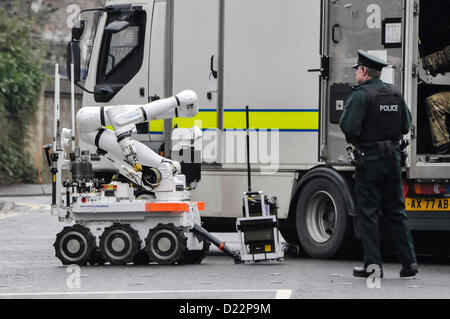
(291,63)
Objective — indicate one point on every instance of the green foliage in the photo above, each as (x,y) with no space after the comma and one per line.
(20,86)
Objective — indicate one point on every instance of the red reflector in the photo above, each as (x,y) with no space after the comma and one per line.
(405,188)
(83,199)
(430,189)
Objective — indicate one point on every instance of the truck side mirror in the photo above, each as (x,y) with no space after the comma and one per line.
(78,30)
(73,56)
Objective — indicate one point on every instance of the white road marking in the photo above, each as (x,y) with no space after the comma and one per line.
(283,294)
(17,211)
(3,215)
(35,206)
(280,293)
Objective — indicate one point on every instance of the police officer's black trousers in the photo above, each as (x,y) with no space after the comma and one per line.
(379,186)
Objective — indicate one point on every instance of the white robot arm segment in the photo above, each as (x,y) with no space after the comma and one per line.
(184,104)
(92,120)
(123,122)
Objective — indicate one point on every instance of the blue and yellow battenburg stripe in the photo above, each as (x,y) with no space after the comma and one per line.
(284,120)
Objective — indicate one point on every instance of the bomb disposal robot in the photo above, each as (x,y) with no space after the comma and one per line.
(108,223)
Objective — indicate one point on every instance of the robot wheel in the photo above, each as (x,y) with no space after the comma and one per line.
(74,245)
(119,244)
(165,244)
(191,257)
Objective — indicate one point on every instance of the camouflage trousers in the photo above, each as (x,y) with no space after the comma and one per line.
(438,105)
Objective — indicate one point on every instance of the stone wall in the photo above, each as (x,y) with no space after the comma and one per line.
(54,34)
(40,131)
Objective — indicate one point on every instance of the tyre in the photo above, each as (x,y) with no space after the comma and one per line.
(165,244)
(192,257)
(96,258)
(323,226)
(119,244)
(141,258)
(288,231)
(74,245)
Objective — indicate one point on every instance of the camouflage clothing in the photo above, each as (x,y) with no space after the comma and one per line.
(438,62)
(437,106)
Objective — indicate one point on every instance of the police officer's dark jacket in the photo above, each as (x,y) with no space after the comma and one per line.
(375,111)
(383,118)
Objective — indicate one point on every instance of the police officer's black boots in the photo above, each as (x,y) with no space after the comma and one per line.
(363,272)
(409,270)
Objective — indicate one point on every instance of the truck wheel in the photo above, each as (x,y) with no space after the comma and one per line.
(321,219)
(119,244)
(74,245)
(288,231)
(165,244)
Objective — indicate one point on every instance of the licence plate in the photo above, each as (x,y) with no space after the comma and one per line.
(427,204)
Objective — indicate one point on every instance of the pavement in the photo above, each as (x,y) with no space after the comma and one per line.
(20,190)
(17,190)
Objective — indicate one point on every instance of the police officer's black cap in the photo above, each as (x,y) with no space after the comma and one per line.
(367,60)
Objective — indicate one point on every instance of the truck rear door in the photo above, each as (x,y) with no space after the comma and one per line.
(373,26)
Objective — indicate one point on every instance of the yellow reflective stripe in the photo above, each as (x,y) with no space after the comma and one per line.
(156,126)
(208,120)
(303,120)
(296,120)
(283,120)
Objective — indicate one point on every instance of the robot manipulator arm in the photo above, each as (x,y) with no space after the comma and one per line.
(123,119)
(184,104)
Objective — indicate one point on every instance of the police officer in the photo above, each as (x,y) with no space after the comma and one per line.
(438,104)
(374,120)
